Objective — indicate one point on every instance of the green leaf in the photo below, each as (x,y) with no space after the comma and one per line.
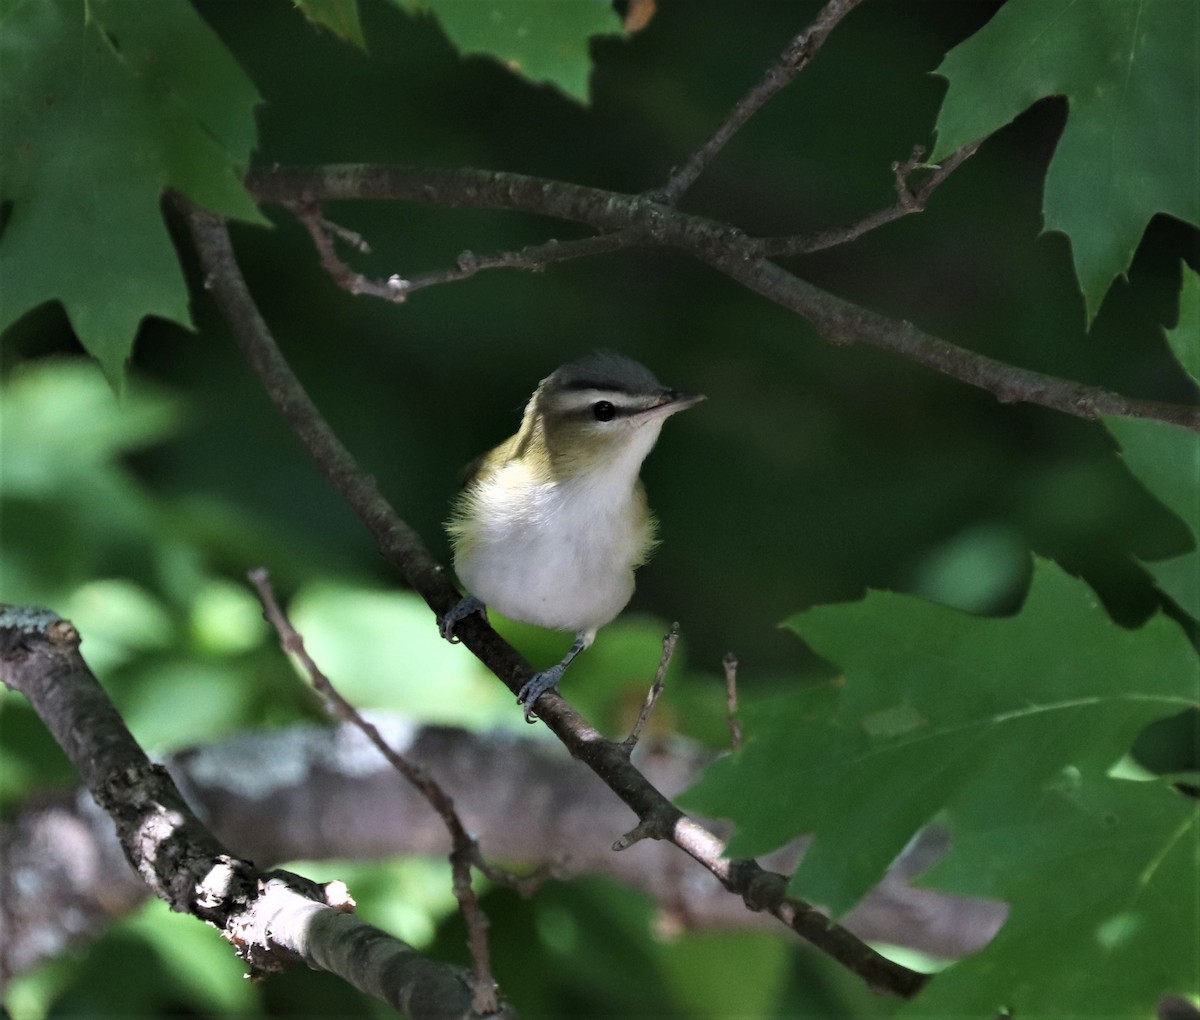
(940,714)
(1103,881)
(1185,337)
(104,105)
(1166,459)
(339,16)
(544,42)
(1130,70)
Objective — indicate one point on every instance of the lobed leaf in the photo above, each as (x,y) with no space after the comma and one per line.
(105,104)
(940,715)
(1130,71)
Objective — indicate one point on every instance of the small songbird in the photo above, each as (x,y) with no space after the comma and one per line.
(551,524)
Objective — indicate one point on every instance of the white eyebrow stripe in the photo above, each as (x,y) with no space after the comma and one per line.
(579,400)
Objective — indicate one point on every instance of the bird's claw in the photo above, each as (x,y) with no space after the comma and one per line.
(461,609)
(535,687)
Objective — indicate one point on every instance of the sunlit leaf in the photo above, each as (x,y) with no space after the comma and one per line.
(383,649)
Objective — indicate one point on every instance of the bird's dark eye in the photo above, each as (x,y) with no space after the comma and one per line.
(603,410)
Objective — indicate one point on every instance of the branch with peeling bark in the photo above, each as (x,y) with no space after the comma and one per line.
(273,918)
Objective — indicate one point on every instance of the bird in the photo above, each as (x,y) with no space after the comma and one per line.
(551,524)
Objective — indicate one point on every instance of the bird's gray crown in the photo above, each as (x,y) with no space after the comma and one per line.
(605,370)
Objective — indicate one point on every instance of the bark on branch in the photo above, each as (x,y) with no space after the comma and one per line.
(273,918)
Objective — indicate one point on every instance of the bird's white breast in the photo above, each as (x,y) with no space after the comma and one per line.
(558,554)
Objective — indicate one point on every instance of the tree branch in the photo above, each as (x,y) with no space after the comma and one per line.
(657,816)
(645,222)
(908,201)
(272,918)
(798,55)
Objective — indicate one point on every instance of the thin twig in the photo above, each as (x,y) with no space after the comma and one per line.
(791,62)
(464,849)
(731,700)
(396,289)
(322,232)
(908,201)
(670,640)
(534,257)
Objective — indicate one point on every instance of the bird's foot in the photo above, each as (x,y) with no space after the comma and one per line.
(461,609)
(536,686)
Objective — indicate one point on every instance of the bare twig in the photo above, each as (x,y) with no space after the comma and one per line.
(401,546)
(908,201)
(731,700)
(322,232)
(791,62)
(464,851)
(670,640)
(534,257)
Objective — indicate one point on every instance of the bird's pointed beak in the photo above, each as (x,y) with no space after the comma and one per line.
(675,400)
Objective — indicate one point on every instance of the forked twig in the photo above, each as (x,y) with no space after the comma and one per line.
(908,201)
(323,232)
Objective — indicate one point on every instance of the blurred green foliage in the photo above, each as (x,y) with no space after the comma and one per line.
(811,474)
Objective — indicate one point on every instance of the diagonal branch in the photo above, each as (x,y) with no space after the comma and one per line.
(798,55)
(646,222)
(657,816)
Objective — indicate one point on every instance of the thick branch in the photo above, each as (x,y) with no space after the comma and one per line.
(657,816)
(725,248)
(273,918)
